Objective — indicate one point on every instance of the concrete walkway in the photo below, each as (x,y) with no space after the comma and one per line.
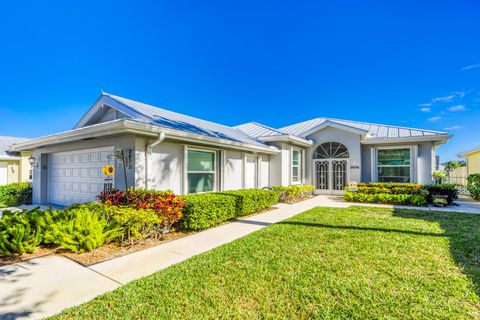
(45,286)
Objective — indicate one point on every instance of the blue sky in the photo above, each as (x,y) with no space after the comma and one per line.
(408,63)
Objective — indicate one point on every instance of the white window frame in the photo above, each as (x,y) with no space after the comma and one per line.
(412,166)
(215,167)
(300,166)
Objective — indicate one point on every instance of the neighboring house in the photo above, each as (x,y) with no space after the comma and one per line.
(473,160)
(167,150)
(14,166)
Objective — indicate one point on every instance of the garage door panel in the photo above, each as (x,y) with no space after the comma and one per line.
(76,177)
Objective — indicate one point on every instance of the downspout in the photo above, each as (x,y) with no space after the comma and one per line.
(148,152)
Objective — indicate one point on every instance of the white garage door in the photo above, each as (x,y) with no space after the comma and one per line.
(3,173)
(76,176)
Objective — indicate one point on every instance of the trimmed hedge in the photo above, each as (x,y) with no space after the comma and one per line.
(294,192)
(15,194)
(206,210)
(249,201)
(388,198)
(473,185)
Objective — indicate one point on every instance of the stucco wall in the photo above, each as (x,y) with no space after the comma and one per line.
(165,170)
(233,170)
(350,140)
(473,163)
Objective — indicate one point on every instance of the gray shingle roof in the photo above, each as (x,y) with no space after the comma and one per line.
(374,130)
(178,121)
(5,143)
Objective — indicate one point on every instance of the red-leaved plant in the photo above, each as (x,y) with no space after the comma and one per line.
(167,205)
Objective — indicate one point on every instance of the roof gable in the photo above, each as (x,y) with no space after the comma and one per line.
(142,112)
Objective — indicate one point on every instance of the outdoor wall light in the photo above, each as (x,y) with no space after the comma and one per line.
(33,161)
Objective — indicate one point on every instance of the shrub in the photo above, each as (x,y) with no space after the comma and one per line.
(205,210)
(249,201)
(473,185)
(293,193)
(388,198)
(15,194)
(79,229)
(136,224)
(392,190)
(435,190)
(21,231)
(165,204)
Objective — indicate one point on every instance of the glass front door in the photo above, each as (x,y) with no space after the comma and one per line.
(331,176)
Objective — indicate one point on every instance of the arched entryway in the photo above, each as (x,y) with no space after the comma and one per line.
(330,167)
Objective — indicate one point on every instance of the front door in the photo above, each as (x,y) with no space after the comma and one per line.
(331,175)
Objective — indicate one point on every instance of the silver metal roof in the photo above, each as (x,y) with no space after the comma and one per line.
(257,130)
(178,121)
(374,130)
(5,144)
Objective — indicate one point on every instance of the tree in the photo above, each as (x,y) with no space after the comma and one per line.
(451,165)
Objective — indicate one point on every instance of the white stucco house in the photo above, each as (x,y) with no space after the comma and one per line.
(163,149)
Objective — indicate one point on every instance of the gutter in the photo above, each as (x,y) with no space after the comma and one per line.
(148,152)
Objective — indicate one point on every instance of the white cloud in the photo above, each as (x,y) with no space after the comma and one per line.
(457,108)
(425,109)
(449,98)
(472,66)
(444,99)
(425,104)
(453,128)
(436,118)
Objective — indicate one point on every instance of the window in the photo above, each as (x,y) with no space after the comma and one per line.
(330,150)
(394,165)
(296,165)
(200,171)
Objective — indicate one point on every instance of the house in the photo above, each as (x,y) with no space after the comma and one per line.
(472,157)
(14,166)
(155,148)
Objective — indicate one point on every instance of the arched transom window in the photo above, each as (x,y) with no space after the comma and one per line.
(330,150)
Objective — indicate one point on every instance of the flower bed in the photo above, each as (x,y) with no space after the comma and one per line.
(405,194)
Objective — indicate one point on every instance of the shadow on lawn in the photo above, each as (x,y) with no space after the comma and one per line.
(463,231)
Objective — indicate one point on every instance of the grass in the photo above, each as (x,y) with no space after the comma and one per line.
(326,263)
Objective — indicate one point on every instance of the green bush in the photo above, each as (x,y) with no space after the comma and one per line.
(473,185)
(293,193)
(387,198)
(205,210)
(136,224)
(249,201)
(79,229)
(21,231)
(446,190)
(15,194)
(392,190)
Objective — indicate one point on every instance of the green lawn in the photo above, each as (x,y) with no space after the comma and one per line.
(357,263)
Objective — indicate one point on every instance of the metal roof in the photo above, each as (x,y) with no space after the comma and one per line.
(374,131)
(178,121)
(5,144)
(257,130)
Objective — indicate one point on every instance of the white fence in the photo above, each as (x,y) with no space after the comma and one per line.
(460,182)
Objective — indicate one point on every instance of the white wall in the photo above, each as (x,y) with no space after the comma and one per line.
(166,169)
(233,170)
(264,171)
(349,139)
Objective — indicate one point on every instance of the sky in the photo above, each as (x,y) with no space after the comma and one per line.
(406,63)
